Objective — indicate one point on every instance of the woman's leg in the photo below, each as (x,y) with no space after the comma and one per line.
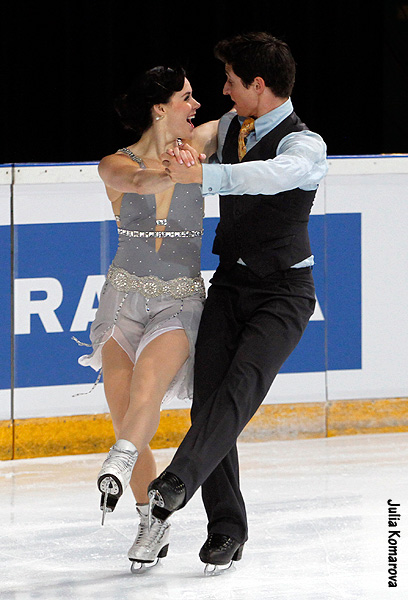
(117,374)
(134,396)
(153,373)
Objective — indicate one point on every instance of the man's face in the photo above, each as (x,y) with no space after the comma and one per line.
(245,99)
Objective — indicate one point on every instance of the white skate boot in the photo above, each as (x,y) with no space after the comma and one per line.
(115,474)
(150,544)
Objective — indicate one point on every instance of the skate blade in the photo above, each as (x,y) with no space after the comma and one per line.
(109,489)
(214,570)
(105,499)
(137,568)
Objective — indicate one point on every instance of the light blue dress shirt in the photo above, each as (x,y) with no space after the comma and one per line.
(300,162)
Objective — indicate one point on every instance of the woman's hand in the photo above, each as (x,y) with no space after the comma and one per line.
(186,155)
(180,171)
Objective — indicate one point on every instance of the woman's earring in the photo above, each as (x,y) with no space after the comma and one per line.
(159,118)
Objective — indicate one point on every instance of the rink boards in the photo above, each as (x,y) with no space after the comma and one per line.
(348,374)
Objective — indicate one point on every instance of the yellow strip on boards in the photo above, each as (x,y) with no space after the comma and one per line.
(286,421)
(57,436)
(6,440)
(350,417)
(85,434)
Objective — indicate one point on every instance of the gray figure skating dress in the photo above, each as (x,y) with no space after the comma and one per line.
(149,292)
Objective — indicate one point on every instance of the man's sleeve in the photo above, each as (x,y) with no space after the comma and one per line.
(300,162)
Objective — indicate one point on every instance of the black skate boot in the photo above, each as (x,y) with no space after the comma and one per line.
(219,551)
(166,493)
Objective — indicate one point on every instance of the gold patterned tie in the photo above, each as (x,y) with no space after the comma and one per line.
(247,126)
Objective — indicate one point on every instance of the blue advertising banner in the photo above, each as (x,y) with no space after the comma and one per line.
(5,307)
(59,273)
(60,267)
(344,296)
(335,342)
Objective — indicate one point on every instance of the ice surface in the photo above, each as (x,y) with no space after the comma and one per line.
(318,518)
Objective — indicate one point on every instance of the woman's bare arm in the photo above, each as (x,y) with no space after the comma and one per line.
(120,173)
(204,138)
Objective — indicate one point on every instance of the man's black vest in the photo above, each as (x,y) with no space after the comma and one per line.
(269,233)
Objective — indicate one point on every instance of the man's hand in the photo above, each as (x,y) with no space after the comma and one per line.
(183,164)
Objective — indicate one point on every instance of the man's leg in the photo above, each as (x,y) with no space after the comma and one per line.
(217,342)
(276,317)
(223,501)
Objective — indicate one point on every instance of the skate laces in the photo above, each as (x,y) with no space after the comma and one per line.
(148,538)
(218,540)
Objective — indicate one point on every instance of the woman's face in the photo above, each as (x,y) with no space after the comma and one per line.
(180,111)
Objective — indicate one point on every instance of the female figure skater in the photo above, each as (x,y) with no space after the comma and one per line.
(145,328)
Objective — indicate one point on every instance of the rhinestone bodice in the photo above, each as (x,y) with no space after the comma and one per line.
(179,252)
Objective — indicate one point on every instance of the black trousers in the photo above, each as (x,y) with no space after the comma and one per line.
(248,329)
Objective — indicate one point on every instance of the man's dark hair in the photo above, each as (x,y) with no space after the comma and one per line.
(259,54)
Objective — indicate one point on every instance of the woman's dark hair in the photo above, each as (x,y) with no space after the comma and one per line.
(259,54)
(155,86)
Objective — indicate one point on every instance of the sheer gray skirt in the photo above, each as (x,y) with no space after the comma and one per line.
(134,321)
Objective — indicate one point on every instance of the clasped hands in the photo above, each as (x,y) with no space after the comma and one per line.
(183,164)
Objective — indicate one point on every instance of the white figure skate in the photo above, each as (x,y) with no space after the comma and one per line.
(115,474)
(151,544)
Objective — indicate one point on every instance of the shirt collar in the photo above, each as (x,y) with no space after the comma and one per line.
(271,119)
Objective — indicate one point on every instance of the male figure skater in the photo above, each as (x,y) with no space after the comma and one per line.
(262,293)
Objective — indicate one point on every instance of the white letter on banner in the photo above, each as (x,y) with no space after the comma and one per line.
(45,309)
(85,313)
(317,315)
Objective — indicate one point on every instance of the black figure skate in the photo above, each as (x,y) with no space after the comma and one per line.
(219,552)
(166,495)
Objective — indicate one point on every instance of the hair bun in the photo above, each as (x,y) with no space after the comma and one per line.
(155,86)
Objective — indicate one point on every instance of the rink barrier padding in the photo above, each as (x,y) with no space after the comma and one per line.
(88,434)
(324,388)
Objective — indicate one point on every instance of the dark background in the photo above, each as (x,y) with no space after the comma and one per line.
(64,63)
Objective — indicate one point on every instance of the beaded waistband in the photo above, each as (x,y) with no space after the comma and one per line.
(152,286)
(160,234)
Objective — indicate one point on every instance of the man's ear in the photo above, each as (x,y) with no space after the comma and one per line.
(259,85)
